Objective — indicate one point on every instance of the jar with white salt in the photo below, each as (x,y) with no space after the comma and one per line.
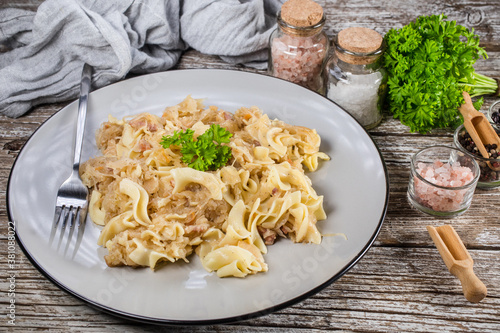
(354,76)
(299,46)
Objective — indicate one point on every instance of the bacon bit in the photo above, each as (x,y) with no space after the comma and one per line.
(228,116)
(152,127)
(144,145)
(274,191)
(140,122)
(268,235)
(285,229)
(269,240)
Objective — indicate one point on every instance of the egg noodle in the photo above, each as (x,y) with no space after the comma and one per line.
(156,210)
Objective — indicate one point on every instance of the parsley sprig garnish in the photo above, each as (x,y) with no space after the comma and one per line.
(429,63)
(207,152)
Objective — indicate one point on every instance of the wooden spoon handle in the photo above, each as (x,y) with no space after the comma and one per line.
(467,109)
(473,288)
(468,100)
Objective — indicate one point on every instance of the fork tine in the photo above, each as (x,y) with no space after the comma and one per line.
(55,223)
(72,219)
(65,215)
(81,228)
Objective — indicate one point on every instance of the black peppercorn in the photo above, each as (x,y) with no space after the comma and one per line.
(487,175)
(495,116)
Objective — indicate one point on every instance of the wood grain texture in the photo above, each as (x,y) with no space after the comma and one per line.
(401,284)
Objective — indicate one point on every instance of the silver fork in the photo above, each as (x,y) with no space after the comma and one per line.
(72,196)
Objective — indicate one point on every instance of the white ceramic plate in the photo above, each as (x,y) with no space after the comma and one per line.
(354,184)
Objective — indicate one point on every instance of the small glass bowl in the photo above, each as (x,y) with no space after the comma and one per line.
(494,108)
(437,200)
(489,178)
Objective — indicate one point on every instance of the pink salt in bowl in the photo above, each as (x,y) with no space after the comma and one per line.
(442,181)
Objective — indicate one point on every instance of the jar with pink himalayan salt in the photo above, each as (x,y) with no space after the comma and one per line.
(442,181)
(299,46)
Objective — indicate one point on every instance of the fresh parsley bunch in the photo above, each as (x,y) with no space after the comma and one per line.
(429,63)
(204,153)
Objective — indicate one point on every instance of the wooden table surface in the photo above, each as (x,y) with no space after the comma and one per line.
(401,284)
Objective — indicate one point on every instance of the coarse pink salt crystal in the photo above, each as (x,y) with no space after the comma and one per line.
(445,175)
(299,46)
(304,59)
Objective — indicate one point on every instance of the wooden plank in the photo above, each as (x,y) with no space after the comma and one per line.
(389,289)
(21,4)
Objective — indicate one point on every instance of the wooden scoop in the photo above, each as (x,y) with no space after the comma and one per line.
(479,128)
(458,260)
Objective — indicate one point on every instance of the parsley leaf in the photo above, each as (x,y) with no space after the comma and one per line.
(429,63)
(177,138)
(220,134)
(204,153)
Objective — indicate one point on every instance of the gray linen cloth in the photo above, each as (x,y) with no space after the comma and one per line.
(118,37)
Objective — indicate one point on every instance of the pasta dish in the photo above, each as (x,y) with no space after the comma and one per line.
(154,209)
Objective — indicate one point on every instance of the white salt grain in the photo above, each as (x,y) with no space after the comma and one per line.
(358,95)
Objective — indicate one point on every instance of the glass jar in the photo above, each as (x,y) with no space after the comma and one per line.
(354,76)
(298,50)
(442,181)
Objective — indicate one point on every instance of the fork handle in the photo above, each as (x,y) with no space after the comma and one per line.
(82,114)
